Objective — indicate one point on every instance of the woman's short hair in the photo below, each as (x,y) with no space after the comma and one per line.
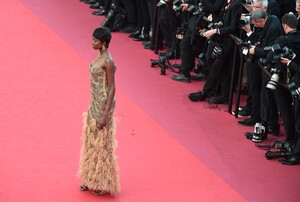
(103,34)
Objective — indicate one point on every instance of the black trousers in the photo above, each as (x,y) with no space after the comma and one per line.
(268,105)
(219,68)
(187,45)
(131,11)
(254,87)
(168,23)
(143,16)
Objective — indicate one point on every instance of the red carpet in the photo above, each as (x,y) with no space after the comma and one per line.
(169,148)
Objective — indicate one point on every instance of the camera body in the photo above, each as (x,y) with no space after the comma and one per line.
(244,21)
(259,133)
(279,52)
(295,89)
(272,61)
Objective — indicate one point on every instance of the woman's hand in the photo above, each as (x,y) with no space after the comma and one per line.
(103,121)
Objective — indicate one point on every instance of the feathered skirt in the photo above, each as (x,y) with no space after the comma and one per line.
(98,169)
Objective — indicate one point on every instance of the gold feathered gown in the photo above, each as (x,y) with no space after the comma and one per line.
(98,169)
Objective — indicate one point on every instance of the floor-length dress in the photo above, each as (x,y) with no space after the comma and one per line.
(98,169)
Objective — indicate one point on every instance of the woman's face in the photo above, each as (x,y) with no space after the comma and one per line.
(97,44)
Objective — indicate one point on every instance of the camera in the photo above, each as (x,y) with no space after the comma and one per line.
(295,89)
(199,10)
(278,52)
(285,150)
(178,6)
(205,22)
(180,32)
(163,62)
(272,84)
(273,58)
(259,133)
(110,15)
(244,21)
(217,52)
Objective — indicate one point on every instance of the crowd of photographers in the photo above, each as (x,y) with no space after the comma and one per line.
(205,34)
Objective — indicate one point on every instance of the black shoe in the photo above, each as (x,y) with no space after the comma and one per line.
(274,130)
(244,111)
(198,96)
(218,100)
(247,122)
(135,34)
(142,37)
(95,5)
(181,78)
(199,77)
(146,43)
(259,137)
(249,135)
(83,188)
(291,161)
(101,11)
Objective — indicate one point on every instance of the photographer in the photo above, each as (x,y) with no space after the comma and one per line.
(253,71)
(218,55)
(271,30)
(295,158)
(191,37)
(287,104)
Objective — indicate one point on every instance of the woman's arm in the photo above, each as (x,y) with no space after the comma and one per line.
(110,73)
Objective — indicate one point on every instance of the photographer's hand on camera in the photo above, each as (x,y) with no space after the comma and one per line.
(208,34)
(252,50)
(285,61)
(184,7)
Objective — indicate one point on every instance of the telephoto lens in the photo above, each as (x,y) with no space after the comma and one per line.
(277,154)
(272,84)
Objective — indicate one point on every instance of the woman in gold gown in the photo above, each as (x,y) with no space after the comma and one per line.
(98,169)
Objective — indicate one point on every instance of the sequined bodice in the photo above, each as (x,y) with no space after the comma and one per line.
(99,90)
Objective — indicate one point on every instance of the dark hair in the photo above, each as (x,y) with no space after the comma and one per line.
(290,20)
(103,34)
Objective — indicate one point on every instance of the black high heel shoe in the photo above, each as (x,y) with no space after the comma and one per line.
(99,192)
(83,188)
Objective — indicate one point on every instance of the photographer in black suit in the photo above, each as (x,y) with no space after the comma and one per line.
(191,37)
(219,62)
(271,30)
(253,70)
(286,103)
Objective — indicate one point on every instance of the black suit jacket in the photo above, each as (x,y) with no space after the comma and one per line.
(270,32)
